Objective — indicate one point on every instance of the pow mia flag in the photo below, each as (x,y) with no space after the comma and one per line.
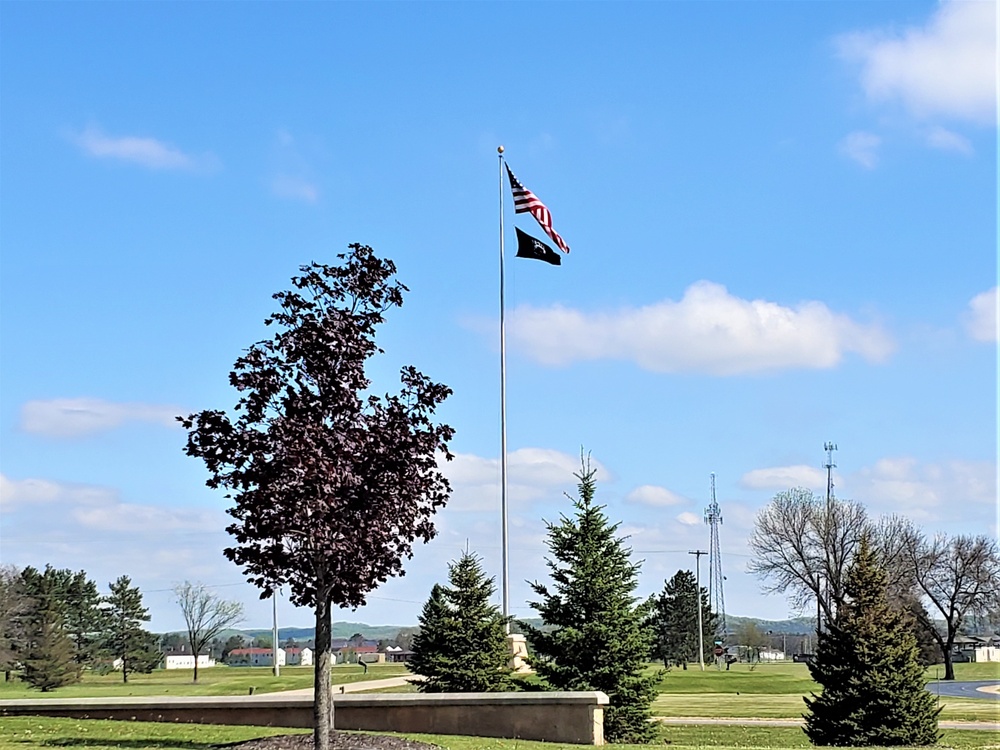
(529,247)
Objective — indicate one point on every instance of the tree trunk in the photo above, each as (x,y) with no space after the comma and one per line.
(946,647)
(196,666)
(323,702)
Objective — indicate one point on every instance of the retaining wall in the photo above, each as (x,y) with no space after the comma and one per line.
(553,717)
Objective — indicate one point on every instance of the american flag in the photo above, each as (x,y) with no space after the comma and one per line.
(526,201)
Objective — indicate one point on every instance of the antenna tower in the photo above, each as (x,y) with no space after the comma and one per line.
(713,517)
(829,466)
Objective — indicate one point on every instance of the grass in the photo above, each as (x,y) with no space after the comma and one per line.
(765,691)
(213,681)
(34,733)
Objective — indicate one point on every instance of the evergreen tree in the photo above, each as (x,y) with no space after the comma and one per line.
(462,643)
(675,620)
(599,637)
(47,653)
(867,662)
(83,616)
(125,639)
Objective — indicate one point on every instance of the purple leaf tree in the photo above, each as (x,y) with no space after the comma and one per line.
(330,484)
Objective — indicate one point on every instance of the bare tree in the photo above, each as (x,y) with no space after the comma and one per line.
(960,577)
(205,615)
(803,544)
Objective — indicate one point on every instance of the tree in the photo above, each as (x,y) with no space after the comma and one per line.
(802,544)
(750,635)
(13,605)
(205,615)
(599,637)
(331,484)
(959,576)
(675,620)
(46,653)
(462,643)
(873,685)
(83,615)
(232,642)
(126,641)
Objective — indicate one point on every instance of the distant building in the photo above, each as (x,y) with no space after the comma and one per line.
(256,657)
(298,657)
(184,661)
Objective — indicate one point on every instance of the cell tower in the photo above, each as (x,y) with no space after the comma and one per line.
(713,517)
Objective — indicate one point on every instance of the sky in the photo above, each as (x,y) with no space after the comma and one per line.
(783,230)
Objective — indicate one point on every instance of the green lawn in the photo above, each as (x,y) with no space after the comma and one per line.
(213,681)
(33,733)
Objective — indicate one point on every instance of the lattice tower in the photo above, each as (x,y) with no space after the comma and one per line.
(713,517)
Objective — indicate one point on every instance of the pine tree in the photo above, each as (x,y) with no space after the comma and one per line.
(867,662)
(48,657)
(675,620)
(599,637)
(125,640)
(462,643)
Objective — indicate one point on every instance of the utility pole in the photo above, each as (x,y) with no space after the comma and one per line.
(701,630)
(274,632)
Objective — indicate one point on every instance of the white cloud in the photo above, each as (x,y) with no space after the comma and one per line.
(981,319)
(708,331)
(924,491)
(946,140)
(97,508)
(532,473)
(74,417)
(946,68)
(147,152)
(293,188)
(688,519)
(21,493)
(862,147)
(657,497)
(783,478)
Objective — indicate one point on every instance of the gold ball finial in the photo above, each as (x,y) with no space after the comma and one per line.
(499,149)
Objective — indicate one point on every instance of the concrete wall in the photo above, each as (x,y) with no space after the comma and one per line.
(552,717)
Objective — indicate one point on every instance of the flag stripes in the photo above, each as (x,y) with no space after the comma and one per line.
(527,202)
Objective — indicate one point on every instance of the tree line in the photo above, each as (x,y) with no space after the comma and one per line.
(55,625)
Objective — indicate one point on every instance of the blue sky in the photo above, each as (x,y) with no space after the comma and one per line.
(783,221)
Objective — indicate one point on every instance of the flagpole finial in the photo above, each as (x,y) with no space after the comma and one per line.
(499,149)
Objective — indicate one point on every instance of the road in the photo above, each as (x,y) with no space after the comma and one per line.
(971,689)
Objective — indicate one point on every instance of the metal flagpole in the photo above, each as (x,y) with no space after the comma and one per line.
(503,421)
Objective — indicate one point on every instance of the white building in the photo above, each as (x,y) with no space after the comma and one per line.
(186,661)
(256,657)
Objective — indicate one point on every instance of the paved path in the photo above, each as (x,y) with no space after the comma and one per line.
(966,689)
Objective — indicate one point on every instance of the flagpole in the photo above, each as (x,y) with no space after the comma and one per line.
(503,420)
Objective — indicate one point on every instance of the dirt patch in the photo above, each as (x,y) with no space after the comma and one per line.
(338,741)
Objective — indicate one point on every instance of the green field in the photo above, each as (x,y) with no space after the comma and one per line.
(212,681)
(764,691)
(775,691)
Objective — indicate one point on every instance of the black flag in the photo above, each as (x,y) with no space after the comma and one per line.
(529,247)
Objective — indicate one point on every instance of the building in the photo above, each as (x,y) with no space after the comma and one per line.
(185,661)
(298,657)
(256,657)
